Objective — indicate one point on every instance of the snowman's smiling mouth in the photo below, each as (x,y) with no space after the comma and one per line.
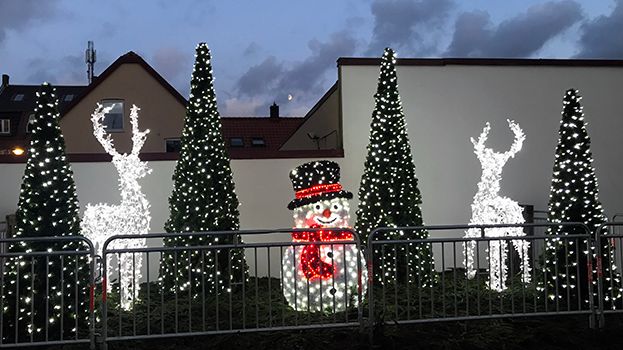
(325,222)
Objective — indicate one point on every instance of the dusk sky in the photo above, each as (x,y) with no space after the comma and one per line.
(265,50)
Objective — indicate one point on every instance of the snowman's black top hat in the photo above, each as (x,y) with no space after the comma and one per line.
(315,181)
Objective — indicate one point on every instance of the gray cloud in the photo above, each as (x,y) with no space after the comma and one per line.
(407,24)
(308,75)
(39,73)
(274,80)
(251,50)
(67,70)
(470,34)
(175,66)
(171,62)
(255,80)
(17,15)
(108,29)
(602,37)
(519,36)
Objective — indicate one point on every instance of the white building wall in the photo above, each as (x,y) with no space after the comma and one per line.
(446,105)
(263,188)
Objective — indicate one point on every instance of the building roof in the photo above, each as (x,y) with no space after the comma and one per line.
(17,102)
(130,57)
(273,131)
(368,61)
(316,106)
(8,103)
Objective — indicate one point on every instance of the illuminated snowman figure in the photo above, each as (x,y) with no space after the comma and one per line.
(321,277)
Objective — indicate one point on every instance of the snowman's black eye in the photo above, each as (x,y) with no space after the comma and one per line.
(317,206)
(336,207)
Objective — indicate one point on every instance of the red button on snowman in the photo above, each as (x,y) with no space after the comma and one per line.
(321,277)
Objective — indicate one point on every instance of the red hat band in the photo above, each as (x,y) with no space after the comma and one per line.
(317,190)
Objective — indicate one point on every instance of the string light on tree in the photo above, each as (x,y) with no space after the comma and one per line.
(34,305)
(492,209)
(130,217)
(203,197)
(574,197)
(321,277)
(388,194)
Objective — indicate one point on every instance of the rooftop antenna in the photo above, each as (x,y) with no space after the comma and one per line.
(316,139)
(89,58)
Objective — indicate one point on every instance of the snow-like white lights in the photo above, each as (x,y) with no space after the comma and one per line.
(388,191)
(574,197)
(203,198)
(491,208)
(322,277)
(47,207)
(130,217)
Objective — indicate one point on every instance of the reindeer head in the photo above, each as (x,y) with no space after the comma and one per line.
(493,162)
(129,166)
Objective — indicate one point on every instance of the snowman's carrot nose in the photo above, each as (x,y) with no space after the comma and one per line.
(326,213)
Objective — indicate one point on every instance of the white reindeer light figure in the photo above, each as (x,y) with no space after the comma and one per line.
(131,216)
(491,208)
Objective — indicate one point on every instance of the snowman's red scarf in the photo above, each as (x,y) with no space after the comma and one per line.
(312,265)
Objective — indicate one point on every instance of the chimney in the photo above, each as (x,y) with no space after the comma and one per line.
(5,80)
(274,111)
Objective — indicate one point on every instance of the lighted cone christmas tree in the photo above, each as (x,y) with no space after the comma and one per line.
(48,206)
(574,198)
(203,197)
(388,194)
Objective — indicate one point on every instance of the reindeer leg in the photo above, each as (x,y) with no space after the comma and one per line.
(469,248)
(494,266)
(503,268)
(522,247)
(525,248)
(138,273)
(109,270)
(125,276)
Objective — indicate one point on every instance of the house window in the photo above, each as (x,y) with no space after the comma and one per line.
(236,142)
(68,97)
(258,142)
(113,120)
(31,121)
(173,145)
(18,97)
(5,126)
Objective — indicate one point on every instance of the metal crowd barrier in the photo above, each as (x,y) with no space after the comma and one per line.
(42,325)
(256,304)
(401,288)
(3,235)
(608,240)
(445,292)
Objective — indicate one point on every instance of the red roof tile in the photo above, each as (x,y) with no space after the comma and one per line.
(274,131)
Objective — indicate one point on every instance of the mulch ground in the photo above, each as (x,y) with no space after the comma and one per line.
(528,333)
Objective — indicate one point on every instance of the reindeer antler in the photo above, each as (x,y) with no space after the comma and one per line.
(99,131)
(479,145)
(519,138)
(138,137)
